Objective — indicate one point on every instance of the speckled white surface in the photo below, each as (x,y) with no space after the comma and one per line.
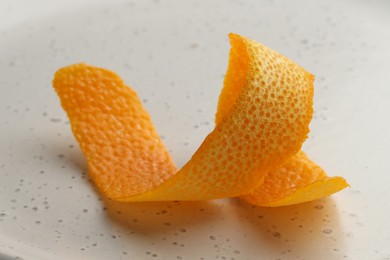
(174,53)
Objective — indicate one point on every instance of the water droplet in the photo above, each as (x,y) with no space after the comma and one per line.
(55,120)
(194,45)
(327,231)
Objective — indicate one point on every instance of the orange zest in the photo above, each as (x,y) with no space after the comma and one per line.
(297,180)
(262,119)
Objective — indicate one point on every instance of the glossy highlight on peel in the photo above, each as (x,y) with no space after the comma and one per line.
(262,120)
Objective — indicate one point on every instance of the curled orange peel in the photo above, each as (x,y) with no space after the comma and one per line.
(262,119)
(297,180)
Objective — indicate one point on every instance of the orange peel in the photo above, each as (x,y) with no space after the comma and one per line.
(262,119)
(297,180)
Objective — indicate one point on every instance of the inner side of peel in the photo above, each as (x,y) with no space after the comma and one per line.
(235,77)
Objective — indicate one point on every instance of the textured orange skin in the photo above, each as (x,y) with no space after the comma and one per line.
(262,120)
(124,153)
(297,180)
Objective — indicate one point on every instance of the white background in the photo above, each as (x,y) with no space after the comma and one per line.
(174,54)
